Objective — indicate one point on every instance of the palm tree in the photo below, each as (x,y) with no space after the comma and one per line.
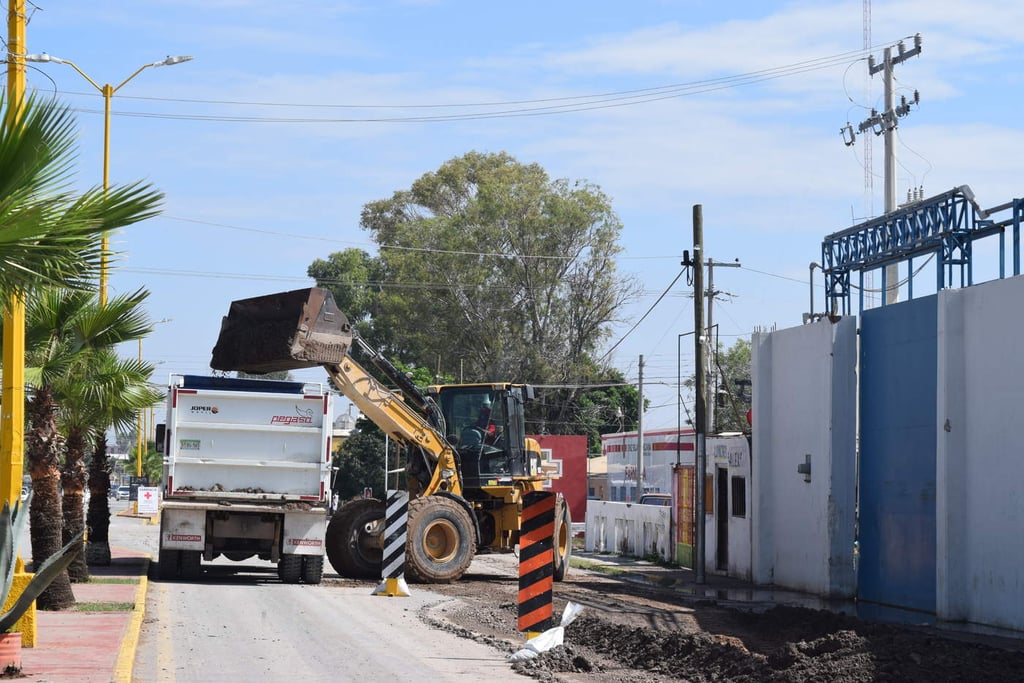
(105,391)
(65,331)
(50,236)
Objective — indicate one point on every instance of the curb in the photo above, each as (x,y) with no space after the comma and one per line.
(129,643)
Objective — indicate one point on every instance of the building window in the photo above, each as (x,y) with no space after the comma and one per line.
(739,496)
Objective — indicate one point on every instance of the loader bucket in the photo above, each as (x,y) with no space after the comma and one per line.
(284,331)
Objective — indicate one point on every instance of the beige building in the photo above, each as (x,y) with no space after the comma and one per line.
(597,477)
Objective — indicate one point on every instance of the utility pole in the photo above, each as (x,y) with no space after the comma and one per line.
(885,123)
(640,434)
(713,355)
(700,418)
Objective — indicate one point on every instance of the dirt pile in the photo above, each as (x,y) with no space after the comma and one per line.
(635,634)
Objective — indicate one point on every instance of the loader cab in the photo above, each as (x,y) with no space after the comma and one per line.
(485,423)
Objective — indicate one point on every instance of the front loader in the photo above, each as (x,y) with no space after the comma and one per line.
(468,461)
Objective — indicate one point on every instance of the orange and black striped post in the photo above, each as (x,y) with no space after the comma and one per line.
(536,562)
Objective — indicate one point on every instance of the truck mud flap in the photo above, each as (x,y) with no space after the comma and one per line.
(284,331)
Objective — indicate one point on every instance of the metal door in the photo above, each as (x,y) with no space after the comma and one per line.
(898,364)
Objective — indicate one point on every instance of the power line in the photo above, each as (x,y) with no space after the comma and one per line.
(512,108)
(642,318)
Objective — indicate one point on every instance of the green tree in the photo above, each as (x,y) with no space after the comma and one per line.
(49,235)
(152,464)
(494,261)
(733,372)
(63,330)
(489,271)
(104,390)
(604,410)
(354,278)
(360,463)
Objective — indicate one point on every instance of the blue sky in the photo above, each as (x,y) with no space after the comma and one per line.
(292,116)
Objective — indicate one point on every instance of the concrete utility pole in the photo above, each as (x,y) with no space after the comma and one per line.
(885,123)
(640,433)
(700,417)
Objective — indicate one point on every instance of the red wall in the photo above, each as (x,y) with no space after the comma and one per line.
(569,453)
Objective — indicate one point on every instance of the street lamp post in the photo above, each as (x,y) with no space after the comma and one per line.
(107,91)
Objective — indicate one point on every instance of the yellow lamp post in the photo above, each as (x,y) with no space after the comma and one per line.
(12,415)
(108,93)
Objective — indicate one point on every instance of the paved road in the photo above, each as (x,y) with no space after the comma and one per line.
(247,625)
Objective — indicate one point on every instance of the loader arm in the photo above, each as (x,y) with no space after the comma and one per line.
(395,418)
(304,328)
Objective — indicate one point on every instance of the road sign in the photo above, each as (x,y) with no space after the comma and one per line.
(149,500)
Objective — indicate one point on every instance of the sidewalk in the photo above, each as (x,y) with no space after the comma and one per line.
(95,641)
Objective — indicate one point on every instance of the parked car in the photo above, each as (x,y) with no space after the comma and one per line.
(656,499)
(124,492)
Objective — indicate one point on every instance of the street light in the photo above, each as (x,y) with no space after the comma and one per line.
(107,91)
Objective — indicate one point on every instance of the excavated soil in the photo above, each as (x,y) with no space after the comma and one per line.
(633,633)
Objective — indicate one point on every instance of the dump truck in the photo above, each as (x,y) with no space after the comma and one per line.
(467,460)
(247,467)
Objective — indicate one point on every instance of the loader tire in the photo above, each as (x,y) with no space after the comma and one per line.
(562,544)
(355,538)
(441,541)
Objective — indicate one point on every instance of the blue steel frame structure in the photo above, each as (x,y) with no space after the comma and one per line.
(945,226)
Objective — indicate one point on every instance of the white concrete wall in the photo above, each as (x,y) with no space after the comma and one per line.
(804,403)
(980,477)
(630,529)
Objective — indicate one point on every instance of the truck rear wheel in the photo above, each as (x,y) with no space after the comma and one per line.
(289,568)
(562,540)
(167,564)
(191,564)
(441,540)
(355,538)
(312,569)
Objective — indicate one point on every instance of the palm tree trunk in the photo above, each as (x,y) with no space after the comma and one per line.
(72,478)
(98,548)
(43,447)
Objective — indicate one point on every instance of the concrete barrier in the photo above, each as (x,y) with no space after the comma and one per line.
(630,529)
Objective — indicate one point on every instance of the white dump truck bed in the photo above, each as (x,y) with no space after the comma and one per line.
(247,440)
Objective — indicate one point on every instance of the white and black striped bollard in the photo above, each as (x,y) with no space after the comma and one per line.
(396,523)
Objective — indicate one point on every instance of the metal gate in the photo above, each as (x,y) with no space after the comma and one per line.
(898,366)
